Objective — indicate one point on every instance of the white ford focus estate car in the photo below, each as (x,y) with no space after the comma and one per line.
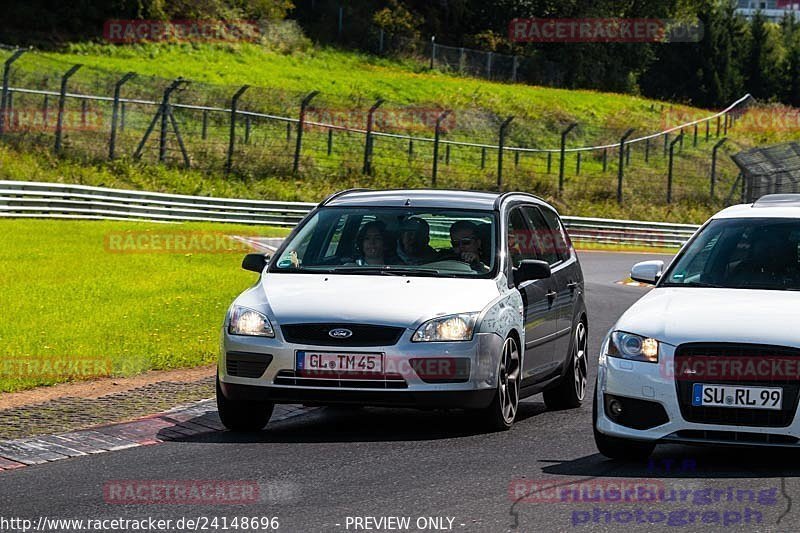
(410,298)
(712,353)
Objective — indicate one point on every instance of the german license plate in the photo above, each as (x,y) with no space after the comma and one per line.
(338,363)
(736,396)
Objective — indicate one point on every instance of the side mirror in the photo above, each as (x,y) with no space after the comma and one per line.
(647,271)
(532,269)
(255,262)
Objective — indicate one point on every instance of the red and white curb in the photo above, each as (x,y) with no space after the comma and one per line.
(197,419)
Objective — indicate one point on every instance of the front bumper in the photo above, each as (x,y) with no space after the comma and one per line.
(476,391)
(655,383)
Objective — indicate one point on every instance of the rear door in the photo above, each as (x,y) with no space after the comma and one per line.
(540,317)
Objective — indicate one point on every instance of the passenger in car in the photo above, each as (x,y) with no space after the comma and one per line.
(467,245)
(413,247)
(370,244)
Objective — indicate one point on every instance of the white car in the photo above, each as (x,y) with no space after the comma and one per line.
(712,354)
(415,298)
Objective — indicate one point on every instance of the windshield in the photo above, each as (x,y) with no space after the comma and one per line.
(393,241)
(749,253)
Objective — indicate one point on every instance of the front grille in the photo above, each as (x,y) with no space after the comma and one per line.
(736,437)
(383,381)
(687,353)
(362,334)
(247,365)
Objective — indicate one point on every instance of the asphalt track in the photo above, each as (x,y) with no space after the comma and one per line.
(323,470)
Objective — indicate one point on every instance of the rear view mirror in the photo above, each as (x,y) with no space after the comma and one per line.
(255,262)
(532,269)
(647,271)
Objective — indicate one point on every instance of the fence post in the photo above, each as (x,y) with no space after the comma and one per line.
(726,124)
(165,112)
(621,168)
(433,51)
(666,143)
(647,150)
(112,142)
(714,163)
(410,149)
(45,110)
(605,159)
(368,144)
(380,43)
(516,159)
(514,69)
(489,66)
(122,114)
(4,98)
(330,141)
(232,136)
(447,155)
(436,137)
(300,123)
(718,121)
(708,130)
(694,143)
(549,162)
(204,130)
(62,101)
(483,158)
(563,155)
(669,172)
(680,145)
(500,148)
(578,165)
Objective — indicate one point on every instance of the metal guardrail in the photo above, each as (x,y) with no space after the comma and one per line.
(28,199)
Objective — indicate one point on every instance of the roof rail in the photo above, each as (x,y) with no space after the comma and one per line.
(499,200)
(336,195)
(774,200)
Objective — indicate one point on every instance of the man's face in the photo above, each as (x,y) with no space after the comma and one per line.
(408,240)
(464,240)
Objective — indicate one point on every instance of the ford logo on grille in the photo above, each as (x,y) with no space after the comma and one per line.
(340,333)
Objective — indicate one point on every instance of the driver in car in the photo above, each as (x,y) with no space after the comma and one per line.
(467,245)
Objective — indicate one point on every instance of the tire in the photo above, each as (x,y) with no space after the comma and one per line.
(243,416)
(615,447)
(500,414)
(571,391)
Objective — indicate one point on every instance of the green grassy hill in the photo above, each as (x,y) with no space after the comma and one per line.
(349,83)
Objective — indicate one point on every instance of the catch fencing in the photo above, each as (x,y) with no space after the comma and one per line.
(250,132)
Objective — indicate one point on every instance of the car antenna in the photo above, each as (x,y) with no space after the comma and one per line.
(408,202)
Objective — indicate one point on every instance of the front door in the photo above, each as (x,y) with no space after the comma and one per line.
(537,298)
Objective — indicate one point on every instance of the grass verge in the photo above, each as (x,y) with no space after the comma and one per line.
(78,306)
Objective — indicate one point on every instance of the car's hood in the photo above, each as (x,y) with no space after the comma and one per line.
(692,314)
(390,300)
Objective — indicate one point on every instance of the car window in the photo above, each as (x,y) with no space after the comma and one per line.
(542,236)
(449,242)
(520,244)
(741,254)
(557,237)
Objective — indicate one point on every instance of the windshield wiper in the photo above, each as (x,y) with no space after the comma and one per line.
(386,270)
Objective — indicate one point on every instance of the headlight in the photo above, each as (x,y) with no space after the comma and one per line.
(447,328)
(246,321)
(633,347)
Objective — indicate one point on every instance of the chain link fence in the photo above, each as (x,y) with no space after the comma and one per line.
(95,115)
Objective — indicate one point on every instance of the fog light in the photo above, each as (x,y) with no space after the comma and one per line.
(615,406)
